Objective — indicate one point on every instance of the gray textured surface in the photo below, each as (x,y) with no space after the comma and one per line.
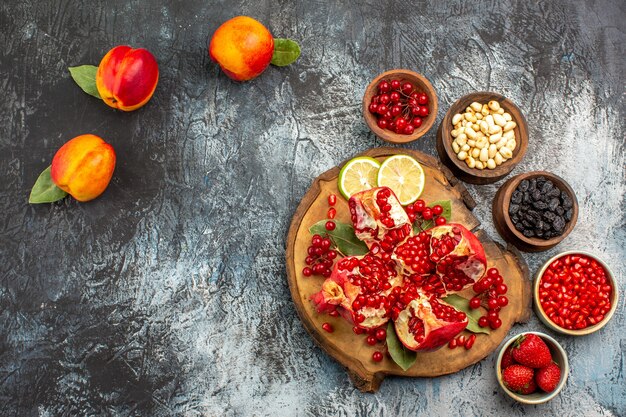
(168,296)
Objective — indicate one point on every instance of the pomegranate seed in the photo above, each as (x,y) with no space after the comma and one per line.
(328,327)
(331,213)
(332,199)
(377,356)
(460,340)
(334,313)
(452,344)
(357,330)
(470,342)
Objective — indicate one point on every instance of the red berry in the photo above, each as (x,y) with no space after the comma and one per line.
(492,303)
(437,210)
(382,123)
(358,330)
(407,88)
(427,214)
(328,327)
(493,272)
(381,334)
(384,87)
(422,98)
(440,221)
(330,225)
(495,324)
(474,302)
(371,340)
(400,123)
(483,321)
(417,121)
(419,206)
(423,111)
(377,356)
(503,301)
(408,130)
(373,108)
(307,272)
(395,84)
(501,289)
(394,96)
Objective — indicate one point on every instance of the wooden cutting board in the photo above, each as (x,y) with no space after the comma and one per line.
(351,350)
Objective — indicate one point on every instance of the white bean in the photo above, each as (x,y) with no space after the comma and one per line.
(507,117)
(461,139)
(479,165)
(454,133)
(501,142)
(468,109)
(476,106)
(491,164)
(509,126)
(489,120)
(500,111)
(511,144)
(475,153)
(505,152)
(470,133)
(494,129)
(498,159)
(494,105)
(509,135)
(479,116)
(499,120)
(471,162)
(456,147)
(482,143)
(495,137)
(484,154)
(457,118)
(485,110)
(493,150)
(465,148)
(471,142)
(484,127)
(462,155)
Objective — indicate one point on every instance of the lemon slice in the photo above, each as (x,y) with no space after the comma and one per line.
(404,175)
(358,174)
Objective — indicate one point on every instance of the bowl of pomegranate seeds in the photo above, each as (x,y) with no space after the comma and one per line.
(575,293)
(532,368)
(400,106)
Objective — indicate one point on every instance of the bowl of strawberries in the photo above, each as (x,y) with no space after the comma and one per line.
(532,368)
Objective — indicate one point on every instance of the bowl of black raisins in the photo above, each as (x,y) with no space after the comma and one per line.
(535,210)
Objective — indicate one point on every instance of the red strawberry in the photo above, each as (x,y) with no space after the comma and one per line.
(518,378)
(548,378)
(507,359)
(532,387)
(532,351)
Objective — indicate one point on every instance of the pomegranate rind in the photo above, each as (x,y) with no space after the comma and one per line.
(367,225)
(476,264)
(437,332)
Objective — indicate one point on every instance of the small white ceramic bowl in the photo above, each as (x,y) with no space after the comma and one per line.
(587,330)
(558,355)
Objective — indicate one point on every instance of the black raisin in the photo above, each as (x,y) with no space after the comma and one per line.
(560,211)
(516,198)
(568,214)
(540,205)
(555,192)
(513,208)
(528,233)
(536,195)
(558,224)
(523,186)
(553,204)
(567,202)
(547,187)
(532,186)
(549,216)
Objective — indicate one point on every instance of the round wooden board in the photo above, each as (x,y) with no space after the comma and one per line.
(351,350)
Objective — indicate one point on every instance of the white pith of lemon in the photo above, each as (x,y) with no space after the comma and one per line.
(404,175)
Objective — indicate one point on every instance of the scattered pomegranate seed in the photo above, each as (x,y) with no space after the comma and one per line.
(331,213)
(328,327)
(377,356)
(357,330)
(470,342)
(334,313)
(452,344)
(332,199)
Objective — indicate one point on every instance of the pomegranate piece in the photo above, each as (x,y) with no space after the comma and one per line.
(427,323)
(358,288)
(379,219)
(449,251)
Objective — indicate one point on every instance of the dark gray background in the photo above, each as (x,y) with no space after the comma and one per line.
(168,295)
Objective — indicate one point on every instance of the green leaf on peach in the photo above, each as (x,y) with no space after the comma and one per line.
(45,190)
(85,77)
(286,52)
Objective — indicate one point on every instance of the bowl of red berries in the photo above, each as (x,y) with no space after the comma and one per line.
(400,106)
(532,368)
(575,293)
